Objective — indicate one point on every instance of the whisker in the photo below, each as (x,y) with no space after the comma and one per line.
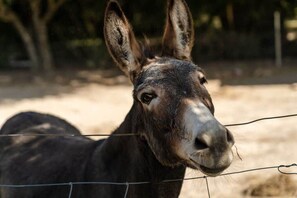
(237,152)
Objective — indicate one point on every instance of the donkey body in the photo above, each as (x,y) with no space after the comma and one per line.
(56,159)
(172,117)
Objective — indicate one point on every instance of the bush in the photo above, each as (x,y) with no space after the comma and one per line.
(90,53)
(232,45)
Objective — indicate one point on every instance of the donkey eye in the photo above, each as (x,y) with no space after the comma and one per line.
(146,98)
(203,80)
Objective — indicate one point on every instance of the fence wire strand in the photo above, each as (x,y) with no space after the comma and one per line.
(207,187)
(261,119)
(127,188)
(70,190)
(133,134)
(280,168)
(127,184)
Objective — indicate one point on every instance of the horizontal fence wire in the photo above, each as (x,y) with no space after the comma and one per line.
(282,169)
(261,119)
(135,134)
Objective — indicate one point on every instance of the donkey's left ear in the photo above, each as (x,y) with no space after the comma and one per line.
(178,37)
(120,40)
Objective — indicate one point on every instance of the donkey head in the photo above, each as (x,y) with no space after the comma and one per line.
(175,111)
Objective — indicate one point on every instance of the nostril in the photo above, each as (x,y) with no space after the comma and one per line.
(200,144)
(230,138)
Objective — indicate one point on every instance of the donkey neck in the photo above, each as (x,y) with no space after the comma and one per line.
(130,159)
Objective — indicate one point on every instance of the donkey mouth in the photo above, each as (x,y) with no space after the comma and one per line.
(212,172)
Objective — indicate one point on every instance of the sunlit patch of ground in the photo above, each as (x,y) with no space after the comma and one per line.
(97,102)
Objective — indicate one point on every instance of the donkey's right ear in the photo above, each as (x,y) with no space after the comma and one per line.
(120,40)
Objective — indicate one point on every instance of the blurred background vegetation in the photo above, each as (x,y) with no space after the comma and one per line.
(45,35)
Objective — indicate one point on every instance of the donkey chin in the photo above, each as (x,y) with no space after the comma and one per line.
(210,161)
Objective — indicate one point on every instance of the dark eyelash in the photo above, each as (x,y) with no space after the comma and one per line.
(203,80)
(147,97)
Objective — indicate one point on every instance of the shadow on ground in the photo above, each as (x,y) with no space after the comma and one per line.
(21,84)
(16,85)
(253,72)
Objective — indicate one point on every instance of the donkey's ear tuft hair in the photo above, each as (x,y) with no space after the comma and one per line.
(120,40)
(178,37)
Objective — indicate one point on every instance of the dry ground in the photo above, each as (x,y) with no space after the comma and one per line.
(97,101)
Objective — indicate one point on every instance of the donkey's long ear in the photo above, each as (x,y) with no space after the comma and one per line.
(120,40)
(178,37)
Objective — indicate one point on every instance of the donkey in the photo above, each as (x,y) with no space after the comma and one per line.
(170,126)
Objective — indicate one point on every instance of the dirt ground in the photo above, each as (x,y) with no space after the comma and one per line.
(97,102)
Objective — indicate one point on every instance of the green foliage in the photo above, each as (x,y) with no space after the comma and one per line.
(229,45)
(146,16)
(225,29)
(85,52)
(8,2)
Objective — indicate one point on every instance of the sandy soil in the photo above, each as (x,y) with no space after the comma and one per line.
(96,107)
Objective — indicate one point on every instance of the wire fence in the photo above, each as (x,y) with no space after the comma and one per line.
(127,184)
(135,134)
(282,169)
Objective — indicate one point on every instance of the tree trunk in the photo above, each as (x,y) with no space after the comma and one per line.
(42,60)
(44,48)
(29,44)
(230,15)
(42,44)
